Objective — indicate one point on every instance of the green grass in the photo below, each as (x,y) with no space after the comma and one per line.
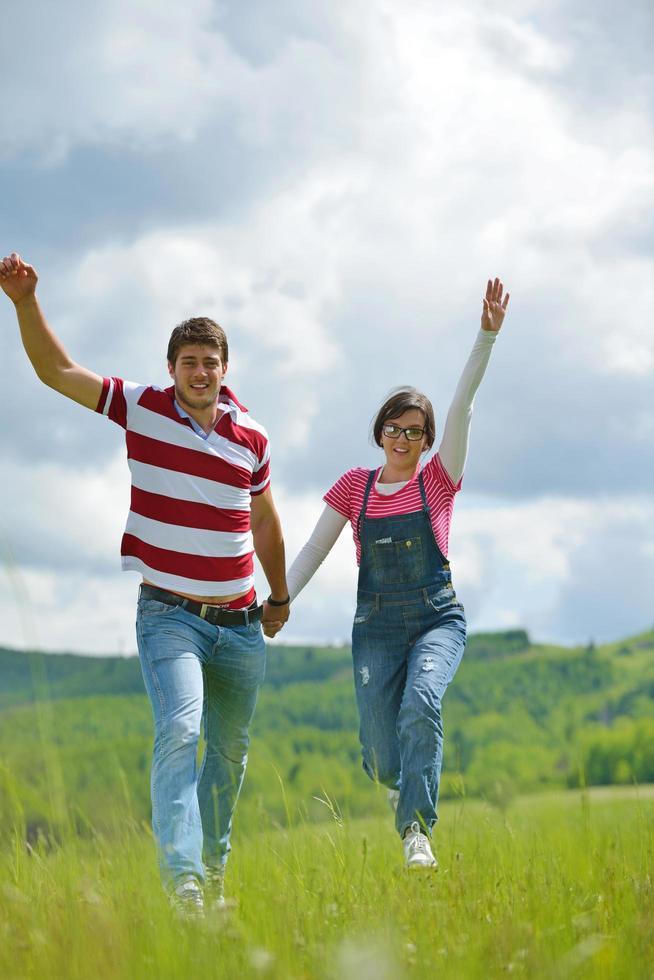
(559,885)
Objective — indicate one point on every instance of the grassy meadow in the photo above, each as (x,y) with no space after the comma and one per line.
(557,885)
(545,840)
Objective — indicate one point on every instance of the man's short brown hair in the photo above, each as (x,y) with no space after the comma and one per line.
(399,401)
(198,330)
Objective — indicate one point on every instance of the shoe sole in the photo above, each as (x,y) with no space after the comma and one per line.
(421,866)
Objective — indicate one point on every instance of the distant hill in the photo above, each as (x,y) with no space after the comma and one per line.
(26,675)
(519,717)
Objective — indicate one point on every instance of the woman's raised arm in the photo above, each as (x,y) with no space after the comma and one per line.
(453,449)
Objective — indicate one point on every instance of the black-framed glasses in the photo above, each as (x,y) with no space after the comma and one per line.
(413,432)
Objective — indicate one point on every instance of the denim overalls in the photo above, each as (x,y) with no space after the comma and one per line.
(408,638)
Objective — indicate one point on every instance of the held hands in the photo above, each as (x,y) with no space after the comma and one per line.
(18,280)
(274,618)
(494,310)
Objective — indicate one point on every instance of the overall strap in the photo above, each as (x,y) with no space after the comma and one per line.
(428,515)
(423,494)
(371,480)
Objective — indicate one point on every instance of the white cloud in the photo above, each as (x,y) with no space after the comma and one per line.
(257,281)
(65,517)
(548,562)
(567,570)
(137,73)
(547,565)
(71,610)
(414,151)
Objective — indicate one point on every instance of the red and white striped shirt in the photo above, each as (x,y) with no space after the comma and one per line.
(188,527)
(346,497)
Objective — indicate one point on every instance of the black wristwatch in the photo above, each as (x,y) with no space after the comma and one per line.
(276,602)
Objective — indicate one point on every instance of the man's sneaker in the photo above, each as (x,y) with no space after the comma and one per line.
(417,850)
(214,886)
(393,799)
(187,899)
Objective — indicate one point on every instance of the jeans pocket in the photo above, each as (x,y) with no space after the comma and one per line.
(364,611)
(249,633)
(152,607)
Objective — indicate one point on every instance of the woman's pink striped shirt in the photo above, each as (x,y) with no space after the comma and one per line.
(346,497)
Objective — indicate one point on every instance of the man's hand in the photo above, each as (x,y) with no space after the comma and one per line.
(274,618)
(18,280)
(49,358)
(494,310)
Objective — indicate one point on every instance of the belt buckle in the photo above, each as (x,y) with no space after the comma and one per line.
(206,608)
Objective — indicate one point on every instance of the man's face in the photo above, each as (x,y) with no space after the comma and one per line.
(198,373)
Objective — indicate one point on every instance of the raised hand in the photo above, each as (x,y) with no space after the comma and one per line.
(17,279)
(494,310)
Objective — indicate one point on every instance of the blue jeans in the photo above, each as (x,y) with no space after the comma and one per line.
(406,649)
(197,673)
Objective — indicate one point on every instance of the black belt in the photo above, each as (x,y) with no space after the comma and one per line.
(211,614)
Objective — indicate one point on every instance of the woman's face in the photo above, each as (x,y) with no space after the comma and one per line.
(402,453)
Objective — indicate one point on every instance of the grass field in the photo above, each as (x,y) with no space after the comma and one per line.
(557,886)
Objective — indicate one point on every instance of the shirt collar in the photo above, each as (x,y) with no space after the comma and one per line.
(226,395)
(184,415)
(226,399)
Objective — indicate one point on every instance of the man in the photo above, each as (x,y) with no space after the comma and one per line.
(200,503)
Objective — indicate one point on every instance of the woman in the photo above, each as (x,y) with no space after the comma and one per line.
(409,629)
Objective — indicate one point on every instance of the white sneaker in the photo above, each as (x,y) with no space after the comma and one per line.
(393,799)
(417,849)
(214,882)
(187,900)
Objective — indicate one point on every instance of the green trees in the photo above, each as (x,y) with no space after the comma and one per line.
(75,746)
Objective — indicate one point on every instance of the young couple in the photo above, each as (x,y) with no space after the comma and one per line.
(200,506)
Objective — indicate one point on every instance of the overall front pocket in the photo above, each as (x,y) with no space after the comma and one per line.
(399,562)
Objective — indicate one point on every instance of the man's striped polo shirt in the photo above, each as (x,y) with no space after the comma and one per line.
(188,527)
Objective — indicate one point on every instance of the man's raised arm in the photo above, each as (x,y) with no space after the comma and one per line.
(49,359)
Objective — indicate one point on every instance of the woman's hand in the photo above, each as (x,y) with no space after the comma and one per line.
(494,311)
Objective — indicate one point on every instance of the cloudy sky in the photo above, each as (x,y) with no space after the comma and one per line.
(334,183)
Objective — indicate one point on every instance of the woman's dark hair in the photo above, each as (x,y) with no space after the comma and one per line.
(399,401)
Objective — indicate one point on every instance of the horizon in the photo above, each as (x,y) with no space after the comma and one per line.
(343,644)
